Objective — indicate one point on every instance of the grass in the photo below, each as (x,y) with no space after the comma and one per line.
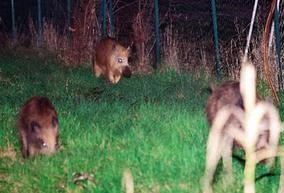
(154,125)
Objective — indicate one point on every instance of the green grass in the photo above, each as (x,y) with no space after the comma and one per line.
(154,125)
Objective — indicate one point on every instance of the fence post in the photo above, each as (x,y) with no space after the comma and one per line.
(215,33)
(111,19)
(278,46)
(39,20)
(102,20)
(157,34)
(14,32)
(281,27)
(68,16)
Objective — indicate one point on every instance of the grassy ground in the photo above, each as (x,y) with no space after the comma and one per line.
(154,125)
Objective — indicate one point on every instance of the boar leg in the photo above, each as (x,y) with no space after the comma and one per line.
(24,149)
(98,71)
(111,77)
(117,78)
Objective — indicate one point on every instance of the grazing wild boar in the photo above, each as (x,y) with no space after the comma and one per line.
(38,127)
(229,94)
(111,60)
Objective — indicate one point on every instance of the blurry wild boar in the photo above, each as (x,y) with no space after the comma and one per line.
(229,94)
(38,127)
(111,60)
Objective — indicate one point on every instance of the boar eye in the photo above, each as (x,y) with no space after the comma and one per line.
(54,121)
(44,144)
(35,126)
(40,143)
(119,60)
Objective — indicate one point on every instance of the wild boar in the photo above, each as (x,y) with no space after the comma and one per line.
(229,94)
(37,125)
(111,60)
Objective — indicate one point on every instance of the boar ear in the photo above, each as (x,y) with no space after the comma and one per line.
(128,50)
(35,127)
(113,47)
(129,47)
(54,121)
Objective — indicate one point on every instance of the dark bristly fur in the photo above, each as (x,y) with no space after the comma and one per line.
(38,127)
(226,94)
(229,94)
(111,60)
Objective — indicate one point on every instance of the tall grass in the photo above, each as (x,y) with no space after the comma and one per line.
(154,125)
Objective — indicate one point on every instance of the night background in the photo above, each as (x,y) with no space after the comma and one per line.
(190,21)
(150,129)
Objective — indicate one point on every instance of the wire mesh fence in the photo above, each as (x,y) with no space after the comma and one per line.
(186,30)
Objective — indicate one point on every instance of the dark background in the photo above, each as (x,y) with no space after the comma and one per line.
(186,15)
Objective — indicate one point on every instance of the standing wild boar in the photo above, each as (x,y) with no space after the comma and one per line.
(111,60)
(229,94)
(38,127)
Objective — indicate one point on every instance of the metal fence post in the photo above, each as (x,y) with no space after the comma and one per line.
(39,19)
(215,33)
(111,19)
(281,29)
(102,20)
(157,33)
(278,46)
(68,16)
(14,31)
